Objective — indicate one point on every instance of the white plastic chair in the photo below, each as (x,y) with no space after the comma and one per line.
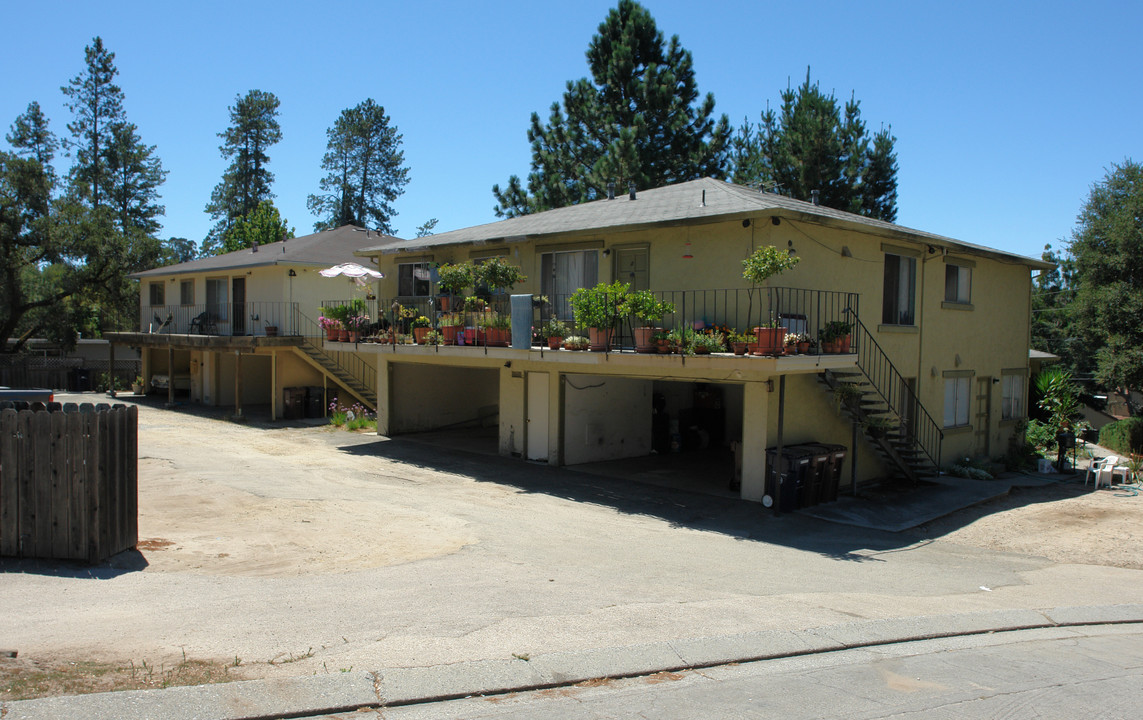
(1105,471)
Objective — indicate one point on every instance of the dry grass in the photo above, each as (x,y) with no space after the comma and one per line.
(22,679)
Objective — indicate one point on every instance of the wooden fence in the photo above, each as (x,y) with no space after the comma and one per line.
(69,481)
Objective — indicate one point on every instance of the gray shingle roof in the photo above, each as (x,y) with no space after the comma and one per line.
(692,202)
(326,249)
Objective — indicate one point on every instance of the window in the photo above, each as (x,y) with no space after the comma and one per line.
(564,272)
(900,290)
(956,401)
(413,279)
(158,294)
(1012,385)
(958,284)
(216,298)
(186,292)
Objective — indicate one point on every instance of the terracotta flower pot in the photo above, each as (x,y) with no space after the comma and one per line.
(555,343)
(448,332)
(600,339)
(740,348)
(331,334)
(771,341)
(342,335)
(643,339)
(419,334)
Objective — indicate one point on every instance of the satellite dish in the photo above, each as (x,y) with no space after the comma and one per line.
(767,501)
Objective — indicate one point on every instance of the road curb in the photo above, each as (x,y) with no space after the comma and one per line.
(345,692)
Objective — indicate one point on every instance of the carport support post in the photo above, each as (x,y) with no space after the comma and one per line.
(238,416)
(755,417)
(274,385)
(384,395)
(779,464)
(170,373)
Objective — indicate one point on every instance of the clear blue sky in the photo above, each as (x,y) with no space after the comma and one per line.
(1005,113)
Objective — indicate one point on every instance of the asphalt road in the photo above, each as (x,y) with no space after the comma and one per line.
(1086,672)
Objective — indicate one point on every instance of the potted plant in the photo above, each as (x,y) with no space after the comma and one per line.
(554,332)
(598,309)
(878,426)
(770,338)
(763,264)
(355,325)
(835,337)
(649,311)
(498,275)
(450,325)
(453,279)
(137,385)
(421,326)
(740,342)
(433,337)
(271,330)
(706,343)
(576,342)
(330,326)
(494,329)
(847,395)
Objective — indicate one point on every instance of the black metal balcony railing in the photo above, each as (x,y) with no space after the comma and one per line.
(226,319)
(808,312)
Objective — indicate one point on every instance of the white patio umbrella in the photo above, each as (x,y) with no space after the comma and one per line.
(357,273)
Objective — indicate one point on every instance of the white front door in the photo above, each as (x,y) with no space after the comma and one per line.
(537,430)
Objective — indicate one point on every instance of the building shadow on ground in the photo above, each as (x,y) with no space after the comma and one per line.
(128,561)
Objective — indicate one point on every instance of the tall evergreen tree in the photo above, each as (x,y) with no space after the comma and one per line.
(134,175)
(31,137)
(1107,245)
(246,183)
(263,225)
(813,143)
(96,103)
(363,159)
(638,119)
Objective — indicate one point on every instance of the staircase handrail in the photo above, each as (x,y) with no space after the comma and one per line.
(878,368)
(360,370)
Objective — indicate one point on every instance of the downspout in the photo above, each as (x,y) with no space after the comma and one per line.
(778,460)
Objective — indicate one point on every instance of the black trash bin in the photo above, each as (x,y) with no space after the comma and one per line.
(80,380)
(294,403)
(789,473)
(315,401)
(831,472)
(812,491)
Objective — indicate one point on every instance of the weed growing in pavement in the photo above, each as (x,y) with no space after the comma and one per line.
(354,417)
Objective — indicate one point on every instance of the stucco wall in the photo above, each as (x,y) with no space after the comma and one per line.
(606,418)
(428,397)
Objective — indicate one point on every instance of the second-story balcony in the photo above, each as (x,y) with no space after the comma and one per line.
(819,319)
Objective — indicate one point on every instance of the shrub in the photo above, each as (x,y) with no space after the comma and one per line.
(1041,436)
(1124,437)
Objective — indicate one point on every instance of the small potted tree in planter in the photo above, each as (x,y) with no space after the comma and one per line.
(763,264)
(498,275)
(450,325)
(554,331)
(599,309)
(452,280)
(421,326)
(649,311)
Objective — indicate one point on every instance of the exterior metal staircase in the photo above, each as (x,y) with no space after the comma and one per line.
(348,370)
(884,407)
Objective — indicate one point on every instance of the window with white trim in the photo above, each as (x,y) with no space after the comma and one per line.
(958,284)
(1012,392)
(216,298)
(899,300)
(956,401)
(414,279)
(158,293)
(564,272)
(186,292)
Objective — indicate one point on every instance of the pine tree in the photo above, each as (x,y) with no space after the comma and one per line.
(813,143)
(96,103)
(363,159)
(32,138)
(134,175)
(246,183)
(639,119)
(263,225)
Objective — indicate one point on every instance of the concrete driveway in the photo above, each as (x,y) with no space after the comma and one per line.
(302,550)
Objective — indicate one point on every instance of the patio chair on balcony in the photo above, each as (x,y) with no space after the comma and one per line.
(203,324)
